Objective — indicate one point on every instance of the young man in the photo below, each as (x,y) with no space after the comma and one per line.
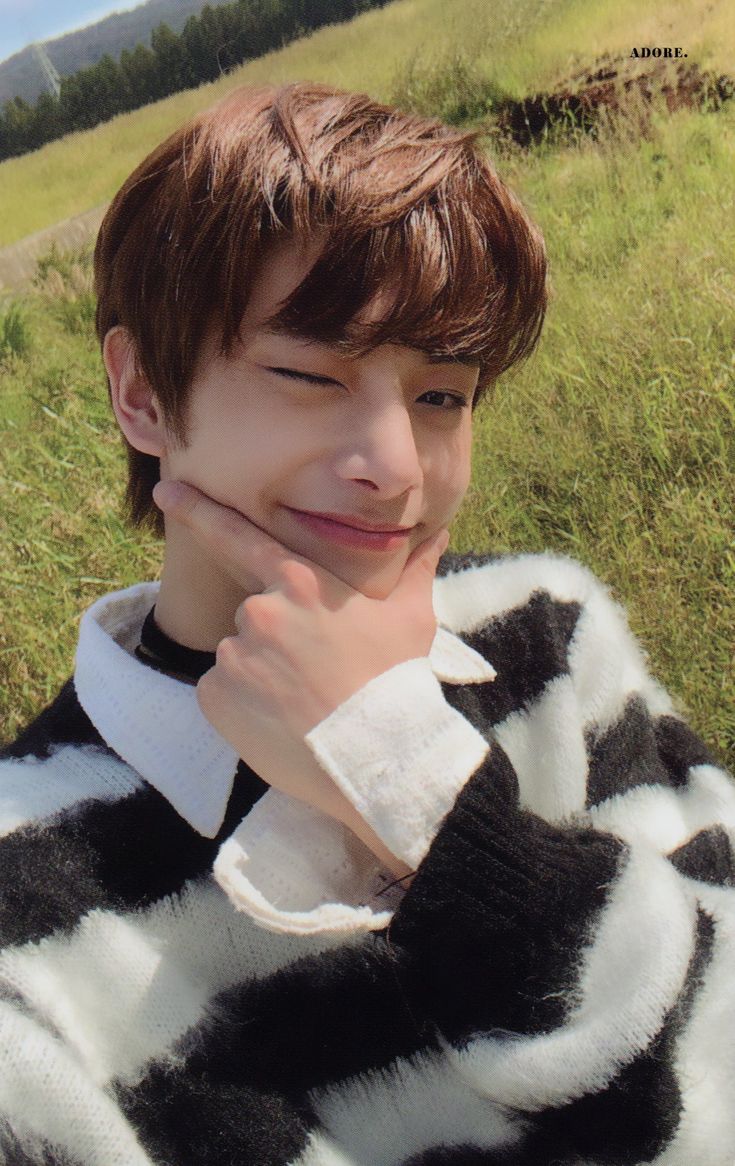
(321,859)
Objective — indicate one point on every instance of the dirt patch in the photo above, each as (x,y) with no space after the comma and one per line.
(18,261)
(612,86)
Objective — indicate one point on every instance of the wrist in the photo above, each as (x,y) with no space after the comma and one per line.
(346,813)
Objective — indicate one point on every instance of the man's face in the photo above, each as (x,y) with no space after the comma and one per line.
(319,449)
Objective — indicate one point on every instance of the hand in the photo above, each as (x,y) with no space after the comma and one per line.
(304,644)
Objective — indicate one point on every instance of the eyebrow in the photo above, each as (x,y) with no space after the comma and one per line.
(430,357)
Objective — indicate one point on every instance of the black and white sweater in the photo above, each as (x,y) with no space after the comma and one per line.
(196,969)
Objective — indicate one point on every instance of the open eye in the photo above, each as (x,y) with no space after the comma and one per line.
(444,400)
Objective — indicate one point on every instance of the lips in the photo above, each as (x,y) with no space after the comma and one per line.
(349,530)
(357,523)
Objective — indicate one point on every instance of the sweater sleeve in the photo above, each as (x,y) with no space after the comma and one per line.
(567,936)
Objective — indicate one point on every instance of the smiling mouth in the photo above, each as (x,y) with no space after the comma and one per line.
(356,522)
(344,529)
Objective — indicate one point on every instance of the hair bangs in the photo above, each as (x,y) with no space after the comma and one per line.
(428,281)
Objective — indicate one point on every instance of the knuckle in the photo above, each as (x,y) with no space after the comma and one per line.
(272,555)
(228,657)
(208,691)
(204,697)
(298,580)
(260,613)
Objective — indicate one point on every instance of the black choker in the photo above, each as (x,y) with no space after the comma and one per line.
(159,651)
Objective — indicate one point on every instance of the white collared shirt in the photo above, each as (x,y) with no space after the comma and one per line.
(396,749)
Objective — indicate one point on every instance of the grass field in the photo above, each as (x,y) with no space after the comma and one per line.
(523,45)
(615,444)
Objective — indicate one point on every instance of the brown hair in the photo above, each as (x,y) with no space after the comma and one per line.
(405,204)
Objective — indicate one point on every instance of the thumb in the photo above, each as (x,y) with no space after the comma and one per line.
(421,565)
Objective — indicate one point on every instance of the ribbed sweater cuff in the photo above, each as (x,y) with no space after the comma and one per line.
(507,869)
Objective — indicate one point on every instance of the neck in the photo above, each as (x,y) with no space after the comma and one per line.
(197,601)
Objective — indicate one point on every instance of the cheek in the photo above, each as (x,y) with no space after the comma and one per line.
(233,462)
(448,476)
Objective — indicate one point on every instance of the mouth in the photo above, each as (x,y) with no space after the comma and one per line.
(353,531)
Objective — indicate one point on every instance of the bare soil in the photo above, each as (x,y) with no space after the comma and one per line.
(611,86)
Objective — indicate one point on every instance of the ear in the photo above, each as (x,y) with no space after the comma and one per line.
(138,413)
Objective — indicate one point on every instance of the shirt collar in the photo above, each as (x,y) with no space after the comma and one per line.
(154,723)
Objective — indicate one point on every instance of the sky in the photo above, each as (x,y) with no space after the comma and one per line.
(24,21)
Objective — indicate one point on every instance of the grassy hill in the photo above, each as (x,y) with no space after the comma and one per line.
(615,444)
(520,46)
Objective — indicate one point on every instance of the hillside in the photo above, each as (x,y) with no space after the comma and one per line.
(523,47)
(21,75)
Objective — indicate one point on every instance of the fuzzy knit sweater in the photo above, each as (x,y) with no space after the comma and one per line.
(196,969)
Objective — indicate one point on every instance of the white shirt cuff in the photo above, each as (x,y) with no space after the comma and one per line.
(400,754)
(297,870)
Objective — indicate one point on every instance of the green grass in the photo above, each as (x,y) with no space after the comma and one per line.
(614,444)
(14,333)
(61,538)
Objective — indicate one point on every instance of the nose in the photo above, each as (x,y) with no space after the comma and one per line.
(380,451)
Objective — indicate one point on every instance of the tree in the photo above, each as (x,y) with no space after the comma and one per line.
(201,48)
(106,89)
(17,119)
(46,122)
(91,95)
(172,61)
(140,72)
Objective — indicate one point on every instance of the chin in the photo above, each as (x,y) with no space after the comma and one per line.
(376,581)
(374,575)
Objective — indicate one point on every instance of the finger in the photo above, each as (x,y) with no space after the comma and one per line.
(247,551)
